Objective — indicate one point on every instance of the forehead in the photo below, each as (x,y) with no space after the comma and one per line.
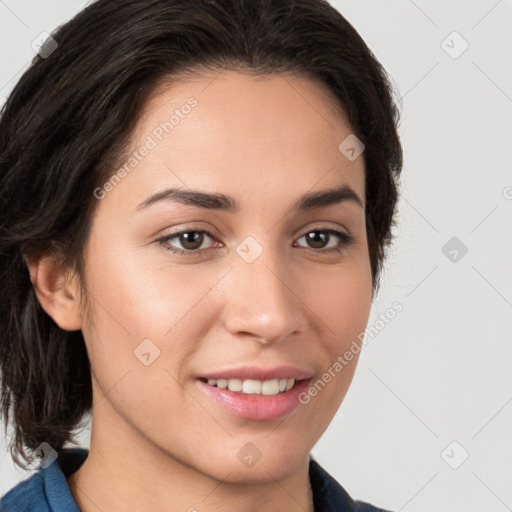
(241,134)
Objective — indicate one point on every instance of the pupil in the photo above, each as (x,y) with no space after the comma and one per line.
(313,237)
(186,239)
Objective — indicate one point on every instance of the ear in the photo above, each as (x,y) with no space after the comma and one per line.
(57,291)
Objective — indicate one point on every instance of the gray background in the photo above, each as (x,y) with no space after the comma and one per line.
(439,372)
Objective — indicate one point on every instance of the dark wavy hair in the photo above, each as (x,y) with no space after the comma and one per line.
(69,118)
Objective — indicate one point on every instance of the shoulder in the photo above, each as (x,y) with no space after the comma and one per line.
(330,496)
(361,506)
(26,496)
(47,489)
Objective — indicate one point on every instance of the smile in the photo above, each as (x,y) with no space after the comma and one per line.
(253,387)
(260,400)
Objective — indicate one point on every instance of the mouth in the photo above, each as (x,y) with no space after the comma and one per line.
(253,387)
(252,399)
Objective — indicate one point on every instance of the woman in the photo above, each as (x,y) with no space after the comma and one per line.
(196,201)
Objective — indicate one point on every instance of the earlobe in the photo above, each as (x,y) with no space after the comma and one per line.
(57,291)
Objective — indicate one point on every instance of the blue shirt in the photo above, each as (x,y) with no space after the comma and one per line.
(47,489)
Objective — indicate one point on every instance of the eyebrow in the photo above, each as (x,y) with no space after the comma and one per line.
(216,201)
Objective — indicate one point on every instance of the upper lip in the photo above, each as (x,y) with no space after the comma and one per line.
(257,373)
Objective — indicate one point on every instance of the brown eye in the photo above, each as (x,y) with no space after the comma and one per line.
(318,238)
(190,241)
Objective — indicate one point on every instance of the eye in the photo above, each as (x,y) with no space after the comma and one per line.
(318,237)
(192,240)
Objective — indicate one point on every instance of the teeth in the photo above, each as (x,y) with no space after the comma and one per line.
(254,387)
(270,387)
(235,385)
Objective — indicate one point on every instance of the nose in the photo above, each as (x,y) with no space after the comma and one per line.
(263,299)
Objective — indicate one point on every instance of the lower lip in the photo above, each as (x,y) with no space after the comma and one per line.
(256,407)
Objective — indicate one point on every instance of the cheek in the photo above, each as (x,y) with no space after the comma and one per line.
(134,299)
(136,292)
(343,301)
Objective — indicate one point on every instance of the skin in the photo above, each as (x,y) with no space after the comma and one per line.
(157,442)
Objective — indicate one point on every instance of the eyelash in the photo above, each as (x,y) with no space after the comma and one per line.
(345,241)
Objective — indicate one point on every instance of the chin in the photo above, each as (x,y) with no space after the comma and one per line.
(260,474)
(272,465)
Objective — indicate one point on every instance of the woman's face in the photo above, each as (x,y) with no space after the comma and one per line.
(266,296)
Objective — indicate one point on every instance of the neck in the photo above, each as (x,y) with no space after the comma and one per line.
(124,471)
